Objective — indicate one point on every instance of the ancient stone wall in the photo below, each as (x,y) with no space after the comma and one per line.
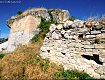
(75,45)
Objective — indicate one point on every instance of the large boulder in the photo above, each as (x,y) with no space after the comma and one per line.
(22,31)
(60,16)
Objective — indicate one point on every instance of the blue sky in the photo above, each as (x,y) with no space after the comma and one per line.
(80,9)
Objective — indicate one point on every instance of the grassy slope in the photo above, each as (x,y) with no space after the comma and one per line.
(25,63)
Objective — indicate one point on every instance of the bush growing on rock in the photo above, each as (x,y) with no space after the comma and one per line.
(44,25)
(19,12)
(35,38)
(50,15)
(1,56)
(72,18)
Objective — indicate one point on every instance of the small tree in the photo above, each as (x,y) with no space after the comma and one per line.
(19,12)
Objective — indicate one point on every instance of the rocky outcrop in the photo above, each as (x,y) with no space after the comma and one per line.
(22,31)
(24,26)
(60,16)
(35,12)
(76,45)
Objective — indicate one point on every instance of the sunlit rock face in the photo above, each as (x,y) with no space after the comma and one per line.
(22,31)
(76,46)
(60,16)
(24,26)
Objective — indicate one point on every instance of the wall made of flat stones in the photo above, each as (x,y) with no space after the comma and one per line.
(64,45)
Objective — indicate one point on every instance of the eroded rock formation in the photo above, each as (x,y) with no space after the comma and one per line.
(23,27)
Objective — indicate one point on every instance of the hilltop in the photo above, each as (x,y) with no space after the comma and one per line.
(50,44)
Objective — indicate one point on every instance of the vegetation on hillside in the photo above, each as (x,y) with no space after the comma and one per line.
(1,55)
(72,18)
(44,27)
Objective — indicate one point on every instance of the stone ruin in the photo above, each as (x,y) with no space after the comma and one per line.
(77,45)
(23,27)
(58,15)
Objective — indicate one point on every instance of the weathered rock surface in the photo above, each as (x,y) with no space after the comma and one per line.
(23,27)
(60,16)
(22,31)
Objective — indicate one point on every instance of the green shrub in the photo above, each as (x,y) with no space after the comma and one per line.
(71,74)
(1,56)
(72,18)
(50,15)
(19,12)
(35,38)
(44,25)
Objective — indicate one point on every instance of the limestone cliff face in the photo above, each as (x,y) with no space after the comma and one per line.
(22,31)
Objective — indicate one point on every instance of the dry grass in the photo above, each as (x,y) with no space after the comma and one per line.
(36,72)
(22,64)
